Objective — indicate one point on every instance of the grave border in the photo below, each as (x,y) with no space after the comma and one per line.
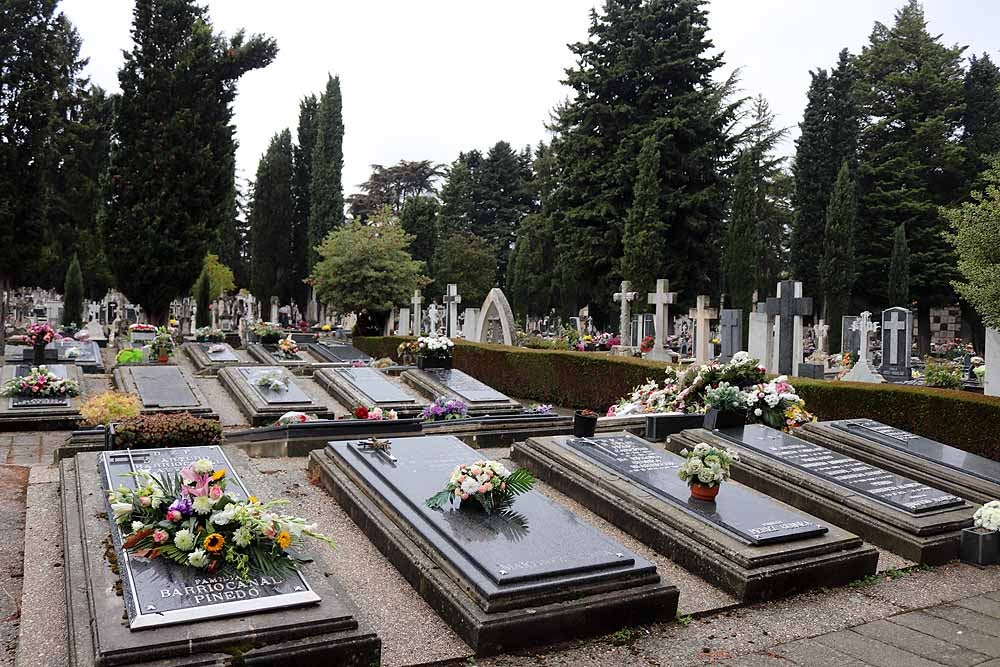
(124,381)
(254,407)
(429,385)
(350,395)
(39,418)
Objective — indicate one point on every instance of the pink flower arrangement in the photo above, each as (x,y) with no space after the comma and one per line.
(41,334)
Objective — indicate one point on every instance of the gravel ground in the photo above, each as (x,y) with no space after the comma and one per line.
(13,488)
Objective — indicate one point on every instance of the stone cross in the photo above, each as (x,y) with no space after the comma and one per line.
(788,308)
(897,338)
(702,315)
(418,316)
(452,299)
(661,299)
(862,371)
(625,322)
(730,333)
(432,317)
(822,330)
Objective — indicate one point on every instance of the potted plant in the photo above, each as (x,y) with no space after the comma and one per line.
(162,345)
(434,352)
(267,333)
(584,423)
(981,543)
(727,407)
(40,335)
(705,468)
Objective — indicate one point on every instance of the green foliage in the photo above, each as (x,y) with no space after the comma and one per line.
(166,430)
(462,259)
(899,268)
(220,277)
(327,189)
(393,186)
(302,157)
(836,266)
(942,374)
(367,268)
(273,207)
(531,271)
(646,232)
(742,240)
(170,182)
(203,301)
(419,219)
(981,123)
(73,294)
(975,229)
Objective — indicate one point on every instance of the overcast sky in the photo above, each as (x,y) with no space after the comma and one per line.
(427,79)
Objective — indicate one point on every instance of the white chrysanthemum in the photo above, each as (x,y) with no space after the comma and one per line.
(242,536)
(122,511)
(137,526)
(224,516)
(705,476)
(202,466)
(203,504)
(470,485)
(184,540)
(198,558)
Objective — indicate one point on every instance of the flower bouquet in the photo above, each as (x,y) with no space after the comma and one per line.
(646,346)
(209,335)
(272,380)
(407,353)
(727,406)
(443,408)
(434,352)
(267,332)
(373,413)
(190,519)
(705,469)
(540,409)
(37,337)
(489,483)
(40,383)
(162,345)
(988,516)
(141,328)
(288,347)
(776,404)
(290,418)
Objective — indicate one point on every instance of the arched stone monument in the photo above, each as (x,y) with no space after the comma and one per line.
(496,320)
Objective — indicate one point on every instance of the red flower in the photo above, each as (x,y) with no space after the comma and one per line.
(361,412)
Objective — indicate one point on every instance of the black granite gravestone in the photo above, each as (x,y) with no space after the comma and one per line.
(21,402)
(876,483)
(159,592)
(466,386)
(750,516)
(291,394)
(373,384)
(787,307)
(162,387)
(278,355)
(340,353)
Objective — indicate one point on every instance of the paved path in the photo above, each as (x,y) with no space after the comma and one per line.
(964,633)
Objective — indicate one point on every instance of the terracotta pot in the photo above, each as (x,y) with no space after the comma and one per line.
(163,358)
(703,491)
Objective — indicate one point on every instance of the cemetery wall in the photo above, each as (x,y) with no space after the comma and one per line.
(572,379)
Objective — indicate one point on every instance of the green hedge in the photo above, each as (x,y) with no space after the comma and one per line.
(578,380)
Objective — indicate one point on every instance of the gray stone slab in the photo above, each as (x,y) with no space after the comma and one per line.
(466,386)
(339,353)
(982,604)
(919,643)
(874,653)
(967,617)
(952,633)
(226,355)
(292,395)
(28,402)
(480,398)
(809,653)
(163,387)
(373,384)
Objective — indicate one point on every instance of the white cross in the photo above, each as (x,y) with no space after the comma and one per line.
(661,298)
(893,326)
(452,298)
(864,326)
(624,297)
(417,315)
(702,315)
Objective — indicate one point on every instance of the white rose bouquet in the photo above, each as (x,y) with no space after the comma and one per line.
(489,483)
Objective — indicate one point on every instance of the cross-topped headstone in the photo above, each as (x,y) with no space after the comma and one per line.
(702,316)
(863,371)
(730,333)
(625,298)
(897,338)
(418,316)
(452,299)
(661,299)
(788,308)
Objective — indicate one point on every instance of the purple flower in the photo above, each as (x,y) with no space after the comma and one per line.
(182,505)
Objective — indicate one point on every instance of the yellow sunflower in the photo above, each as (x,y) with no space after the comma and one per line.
(218,474)
(213,543)
(283,539)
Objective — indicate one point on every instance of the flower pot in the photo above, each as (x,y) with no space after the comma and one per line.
(703,491)
(717,419)
(584,425)
(980,546)
(433,362)
(163,358)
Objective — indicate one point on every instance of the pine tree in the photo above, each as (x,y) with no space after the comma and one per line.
(646,69)
(837,265)
(646,232)
(530,274)
(743,244)
(911,164)
(981,123)
(462,197)
(272,207)
(326,205)
(302,157)
(171,184)
(73,294)
(203,300)
(899,269)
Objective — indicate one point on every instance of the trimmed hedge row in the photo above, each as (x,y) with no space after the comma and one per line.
(578,380)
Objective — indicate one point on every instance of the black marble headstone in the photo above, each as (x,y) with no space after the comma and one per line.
(539,544)
(373,384)
(752,517)
(925,448)
(341,352)
(159,592)
(469,388)
(44,401)
(894,490)
(291,394)
(163,387)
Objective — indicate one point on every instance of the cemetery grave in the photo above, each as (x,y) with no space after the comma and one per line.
(746,543)
(480,398)
(208,358)
(501,581)
(23,413)
(368,387)
(919,522)
(263,405)
(162,388)
(332,352)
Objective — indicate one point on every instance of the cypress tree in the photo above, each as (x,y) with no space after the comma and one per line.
(462,196)
(505,188)
(981,123)
(740,266)
(531,272)
(837,268)
(272,207)
(170,184)
(646,232)
(73,294)
(899,269)
(911,166)
(326,205)
(203,300)
(302,157)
